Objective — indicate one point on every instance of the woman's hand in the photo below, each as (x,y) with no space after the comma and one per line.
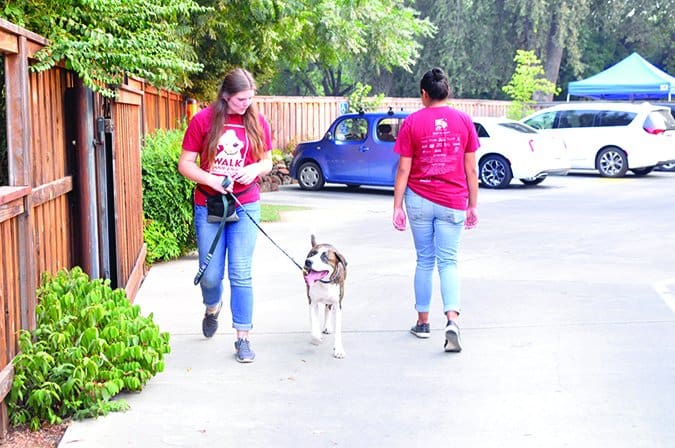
(399,219)
(216,183)
(471,219)
(249,173)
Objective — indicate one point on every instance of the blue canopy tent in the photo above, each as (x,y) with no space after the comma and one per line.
(633,78)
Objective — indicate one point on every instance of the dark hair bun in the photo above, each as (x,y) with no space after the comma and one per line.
(438,74)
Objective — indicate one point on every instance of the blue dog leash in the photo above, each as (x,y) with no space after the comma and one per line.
(265,233)
(226,183)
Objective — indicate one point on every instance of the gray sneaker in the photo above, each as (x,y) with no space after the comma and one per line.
(210,321)
(421,330)
(244,351)
(453,342)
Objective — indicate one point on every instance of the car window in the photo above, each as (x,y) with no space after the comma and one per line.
(542,121)
(576,118)
(387,129)
(659,120)
(615,118)
(519,127)
(480,130)
(351,130)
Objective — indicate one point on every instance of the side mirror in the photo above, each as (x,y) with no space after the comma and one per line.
(329,135)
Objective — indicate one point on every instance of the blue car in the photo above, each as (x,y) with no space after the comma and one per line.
(358,149)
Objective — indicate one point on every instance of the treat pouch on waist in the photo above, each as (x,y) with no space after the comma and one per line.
(219,207)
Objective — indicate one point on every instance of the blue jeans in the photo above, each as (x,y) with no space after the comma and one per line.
(237,243)
(436,231)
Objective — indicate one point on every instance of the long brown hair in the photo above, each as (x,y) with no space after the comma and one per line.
(234,82)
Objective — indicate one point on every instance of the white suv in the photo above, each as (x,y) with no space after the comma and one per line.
(611,137)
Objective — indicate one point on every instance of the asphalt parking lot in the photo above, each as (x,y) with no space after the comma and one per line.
(568,330)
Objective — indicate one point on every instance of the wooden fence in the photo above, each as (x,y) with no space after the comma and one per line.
(295,119)
(73,194)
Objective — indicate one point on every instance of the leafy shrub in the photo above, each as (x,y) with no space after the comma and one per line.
(167,198)
(527,80)
(90,344)
(359,100)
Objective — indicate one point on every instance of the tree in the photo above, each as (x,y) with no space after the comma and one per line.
(105,40)
(477,38)
(527,80)
(346,40)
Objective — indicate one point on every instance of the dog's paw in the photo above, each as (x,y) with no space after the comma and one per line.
(339,353)
(316,339)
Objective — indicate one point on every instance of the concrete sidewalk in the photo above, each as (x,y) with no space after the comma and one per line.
(525,379)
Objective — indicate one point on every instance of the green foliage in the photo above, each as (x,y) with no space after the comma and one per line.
(272,213)
(105,40)
(90,344)
(527,80)
(167,197)
(282,156)
(359,100)
(324,44)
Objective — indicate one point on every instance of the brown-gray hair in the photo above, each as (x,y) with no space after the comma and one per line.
(235,81)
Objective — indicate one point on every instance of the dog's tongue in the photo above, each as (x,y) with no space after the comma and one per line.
(314,276)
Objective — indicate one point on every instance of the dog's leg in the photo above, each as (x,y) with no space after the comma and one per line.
(338,348)
(315,322)
(328,324)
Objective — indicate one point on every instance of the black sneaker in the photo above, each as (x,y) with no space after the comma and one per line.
(421,330)
(210,321)
(453,342)
(244,351)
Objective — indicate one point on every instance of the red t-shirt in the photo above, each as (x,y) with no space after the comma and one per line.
(436,138)
(233,151)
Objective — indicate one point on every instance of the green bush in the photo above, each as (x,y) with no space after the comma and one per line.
(90,344)
(167,198)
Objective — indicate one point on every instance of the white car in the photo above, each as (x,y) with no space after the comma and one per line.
(509,149)
(611,138)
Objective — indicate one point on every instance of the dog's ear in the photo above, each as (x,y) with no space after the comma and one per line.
(313,240)
(341,258)
(340,272)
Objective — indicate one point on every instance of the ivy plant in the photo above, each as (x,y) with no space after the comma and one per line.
(105,40)
(90,344)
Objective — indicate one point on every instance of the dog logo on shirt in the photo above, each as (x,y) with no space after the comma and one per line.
(230,143)
(441,124)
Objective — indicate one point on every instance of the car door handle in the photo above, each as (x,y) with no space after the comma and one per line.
(364,148)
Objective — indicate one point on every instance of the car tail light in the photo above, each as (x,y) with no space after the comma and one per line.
(531,143)
(654,131)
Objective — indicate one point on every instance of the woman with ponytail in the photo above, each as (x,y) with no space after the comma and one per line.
(437,177)
(228,139)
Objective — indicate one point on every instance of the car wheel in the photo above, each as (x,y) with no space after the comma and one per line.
(310,176)
(536,181)
(612,162)
(494,172)
(667,167)
(642,171)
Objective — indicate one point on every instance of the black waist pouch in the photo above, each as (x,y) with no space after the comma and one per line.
(219,207)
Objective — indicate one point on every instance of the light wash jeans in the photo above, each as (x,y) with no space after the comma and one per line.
(237,243)
(436,231)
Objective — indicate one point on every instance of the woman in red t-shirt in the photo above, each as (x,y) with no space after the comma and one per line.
(230,139)
(438,179)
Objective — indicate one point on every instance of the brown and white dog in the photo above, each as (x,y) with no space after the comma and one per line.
(325,272)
